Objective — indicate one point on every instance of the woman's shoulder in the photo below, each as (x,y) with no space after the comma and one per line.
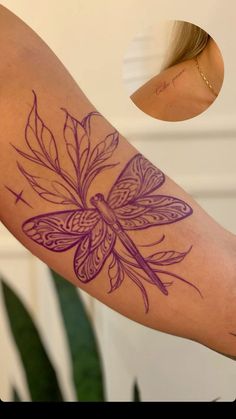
(173,94)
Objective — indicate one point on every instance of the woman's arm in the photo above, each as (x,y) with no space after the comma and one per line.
(83,200)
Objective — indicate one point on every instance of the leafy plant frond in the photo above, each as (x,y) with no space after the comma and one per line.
(40,374)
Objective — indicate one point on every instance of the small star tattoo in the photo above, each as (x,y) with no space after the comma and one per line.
(18,196)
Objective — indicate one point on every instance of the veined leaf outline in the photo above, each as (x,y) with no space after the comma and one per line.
(54,191)
(43,151)
(40,139)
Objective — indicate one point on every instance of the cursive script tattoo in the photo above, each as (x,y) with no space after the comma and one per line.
(177,76)
(18,196)
(164,85)
(95,226)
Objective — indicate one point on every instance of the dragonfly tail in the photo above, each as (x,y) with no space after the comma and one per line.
(153,277)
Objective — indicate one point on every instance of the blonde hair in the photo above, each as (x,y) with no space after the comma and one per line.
(187,41)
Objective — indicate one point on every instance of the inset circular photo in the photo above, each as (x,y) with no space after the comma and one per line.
(173,71)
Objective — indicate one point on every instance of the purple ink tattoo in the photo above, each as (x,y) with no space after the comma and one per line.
(95,225)
(18,196)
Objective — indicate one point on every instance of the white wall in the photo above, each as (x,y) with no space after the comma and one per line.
(145,54)
(199,154)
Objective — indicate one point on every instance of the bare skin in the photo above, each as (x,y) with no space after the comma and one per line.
(179,92)
(191,289)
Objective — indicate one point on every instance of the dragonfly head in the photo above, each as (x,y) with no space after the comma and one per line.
(97,198)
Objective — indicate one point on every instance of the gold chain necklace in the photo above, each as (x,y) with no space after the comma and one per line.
(204,78)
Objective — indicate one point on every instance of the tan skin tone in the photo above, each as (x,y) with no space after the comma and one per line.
(211,264)
(179,92)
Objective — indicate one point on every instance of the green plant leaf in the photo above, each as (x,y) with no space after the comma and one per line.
(136,393)
(40,374)
(15,395)
(86,361)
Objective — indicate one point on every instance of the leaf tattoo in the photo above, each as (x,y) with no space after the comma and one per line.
(40,139)
(95,227)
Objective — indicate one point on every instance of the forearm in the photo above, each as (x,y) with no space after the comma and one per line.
(168,264)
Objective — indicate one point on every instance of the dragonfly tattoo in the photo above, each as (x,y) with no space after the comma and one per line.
(95,226)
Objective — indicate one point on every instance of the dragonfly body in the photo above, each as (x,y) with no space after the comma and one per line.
(108,215)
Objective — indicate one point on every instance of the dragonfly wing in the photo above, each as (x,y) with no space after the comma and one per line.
(92,252)
(59,231)
(151,211)
(139,178)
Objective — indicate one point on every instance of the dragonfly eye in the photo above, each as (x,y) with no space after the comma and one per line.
(96,198)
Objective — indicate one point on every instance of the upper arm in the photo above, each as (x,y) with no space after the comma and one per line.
(146,248)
